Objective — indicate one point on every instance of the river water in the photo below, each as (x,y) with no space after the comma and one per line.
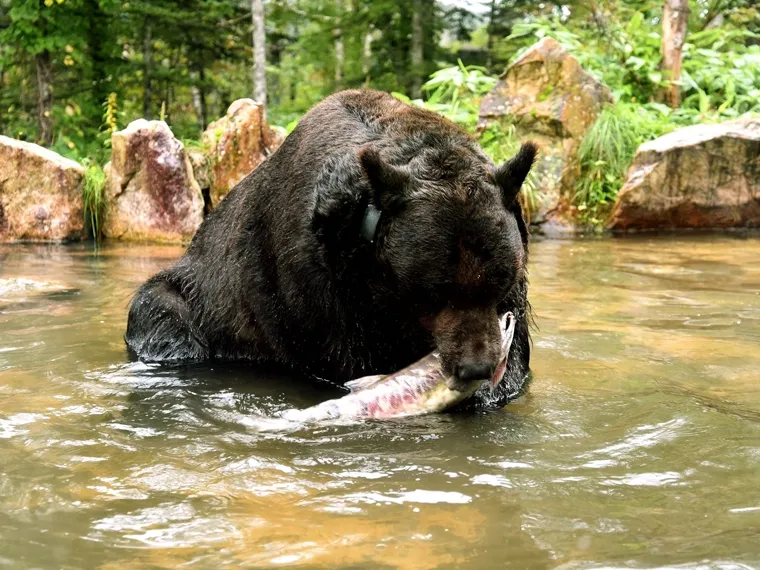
(636,446)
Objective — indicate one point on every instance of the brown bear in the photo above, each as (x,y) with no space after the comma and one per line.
(376,233)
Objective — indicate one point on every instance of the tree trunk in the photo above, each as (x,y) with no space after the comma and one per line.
(343,7)
(204,108)
(417,53)
(97,38)
(293,32)
(489,48)
(174,60)
(367,54)
(45,97)
(674,20)
(274,94)
(225,100)
(340,59)
(340,54)
(167,104)
(259,54)
(147,64)
(195,96)
(198,93)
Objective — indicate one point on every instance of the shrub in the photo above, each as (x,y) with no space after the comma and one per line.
(608,149)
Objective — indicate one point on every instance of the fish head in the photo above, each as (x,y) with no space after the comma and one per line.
(507,325)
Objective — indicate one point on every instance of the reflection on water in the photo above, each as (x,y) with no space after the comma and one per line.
(637,445)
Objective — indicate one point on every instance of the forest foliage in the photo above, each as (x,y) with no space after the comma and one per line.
(72,71)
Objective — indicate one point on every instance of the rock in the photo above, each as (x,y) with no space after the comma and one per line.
(238,143)
(704,176)
(40,194)
(552,101)
(556,228)
(21,288)
(201,164)
(151,193)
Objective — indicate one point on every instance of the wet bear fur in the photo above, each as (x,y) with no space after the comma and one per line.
(279,272)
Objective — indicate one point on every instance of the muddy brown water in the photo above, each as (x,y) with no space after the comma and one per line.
(636,446)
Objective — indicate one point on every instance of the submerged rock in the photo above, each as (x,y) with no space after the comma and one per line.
(151,193)
(551,100)
(15,288)
(704,176)
(40,194)
(238,143)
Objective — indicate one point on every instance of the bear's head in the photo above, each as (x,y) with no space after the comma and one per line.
(434,231)
(450,245)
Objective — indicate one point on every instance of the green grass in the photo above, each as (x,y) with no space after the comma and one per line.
(607,151)
(94,199)
(189,143)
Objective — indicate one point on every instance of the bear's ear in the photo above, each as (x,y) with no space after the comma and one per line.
(340,201)
(388,181)
(511,175)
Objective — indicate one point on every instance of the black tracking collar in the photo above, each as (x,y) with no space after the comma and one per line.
(369,223)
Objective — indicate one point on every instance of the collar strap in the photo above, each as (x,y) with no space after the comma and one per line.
(369,222)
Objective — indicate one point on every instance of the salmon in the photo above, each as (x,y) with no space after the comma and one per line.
(420,388)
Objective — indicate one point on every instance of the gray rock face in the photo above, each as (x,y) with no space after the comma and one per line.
(151,193)
(551,100)
(40,194)
(704,176)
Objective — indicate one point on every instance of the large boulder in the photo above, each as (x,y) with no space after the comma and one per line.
(237,144)
(40,194)
(549,99)
(151,193)
(704,176)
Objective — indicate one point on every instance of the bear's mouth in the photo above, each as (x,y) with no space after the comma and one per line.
(507,323)
(455,383)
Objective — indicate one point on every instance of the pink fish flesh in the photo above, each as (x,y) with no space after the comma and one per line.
(420,388)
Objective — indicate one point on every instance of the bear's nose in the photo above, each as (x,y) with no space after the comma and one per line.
(475,371)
